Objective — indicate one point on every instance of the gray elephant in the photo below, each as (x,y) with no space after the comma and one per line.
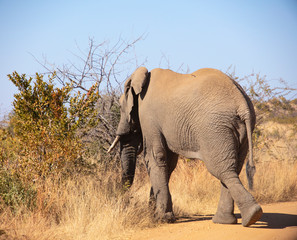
(204,115)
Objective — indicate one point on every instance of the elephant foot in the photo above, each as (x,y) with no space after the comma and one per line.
(251,215)
(226,218)
(165,218)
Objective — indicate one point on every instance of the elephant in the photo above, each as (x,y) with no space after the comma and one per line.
(204,115)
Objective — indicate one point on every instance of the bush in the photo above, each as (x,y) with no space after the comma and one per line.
(41,137)
(14,193)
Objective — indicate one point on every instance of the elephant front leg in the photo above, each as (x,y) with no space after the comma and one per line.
(159,176)
(163,206)
(225,211)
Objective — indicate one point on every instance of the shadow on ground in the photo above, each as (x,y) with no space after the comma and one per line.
(276,221)
(193,218)
(268,220)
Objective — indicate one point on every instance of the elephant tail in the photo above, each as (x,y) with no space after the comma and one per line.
(246,112)
(250,167)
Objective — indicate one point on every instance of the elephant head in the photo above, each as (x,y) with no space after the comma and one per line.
(129,131)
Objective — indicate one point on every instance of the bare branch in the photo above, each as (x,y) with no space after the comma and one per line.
(104,64)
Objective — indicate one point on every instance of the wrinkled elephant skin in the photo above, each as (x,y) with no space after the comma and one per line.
(204,115)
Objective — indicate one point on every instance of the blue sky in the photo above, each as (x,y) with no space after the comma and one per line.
(252,36)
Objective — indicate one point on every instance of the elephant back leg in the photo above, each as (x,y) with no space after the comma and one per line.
(224,161)
(225,211)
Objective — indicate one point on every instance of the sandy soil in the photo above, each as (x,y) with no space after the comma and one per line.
(279,221)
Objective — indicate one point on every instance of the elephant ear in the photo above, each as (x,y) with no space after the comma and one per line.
(133,87)
(139,79)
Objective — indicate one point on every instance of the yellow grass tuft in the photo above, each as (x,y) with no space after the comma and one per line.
(276,181)
(194,190)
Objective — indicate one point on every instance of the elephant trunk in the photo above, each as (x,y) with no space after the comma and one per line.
(128,162)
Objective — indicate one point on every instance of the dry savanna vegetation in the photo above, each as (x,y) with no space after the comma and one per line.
(57,182)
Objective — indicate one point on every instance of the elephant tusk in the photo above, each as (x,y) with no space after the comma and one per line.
(140,148)
(113,144)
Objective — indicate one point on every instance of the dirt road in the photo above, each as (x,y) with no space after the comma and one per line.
(279,221)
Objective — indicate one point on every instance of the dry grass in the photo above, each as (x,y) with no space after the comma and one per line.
(194,190)
(96,207)
(276,157)
(276,182)
(83,208)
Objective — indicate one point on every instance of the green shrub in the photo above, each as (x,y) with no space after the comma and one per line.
(41,137)
(14,193)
